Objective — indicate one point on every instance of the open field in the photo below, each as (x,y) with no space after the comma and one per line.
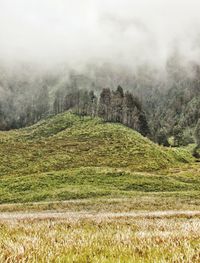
(95,189)
(100,237)
(66,157)
(80,190)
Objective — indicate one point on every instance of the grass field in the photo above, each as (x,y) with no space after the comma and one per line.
(83,237)
(103,190)
(67,157)
(80,190)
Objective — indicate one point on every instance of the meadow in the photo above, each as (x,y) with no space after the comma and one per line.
(77,189)
(69,157)
(104,237)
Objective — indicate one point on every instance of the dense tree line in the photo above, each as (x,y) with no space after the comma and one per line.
(171,101)
(112,106)
(22,105)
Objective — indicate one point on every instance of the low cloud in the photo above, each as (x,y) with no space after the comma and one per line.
(123,32)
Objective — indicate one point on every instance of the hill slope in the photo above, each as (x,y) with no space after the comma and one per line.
(67,140)
(67,156)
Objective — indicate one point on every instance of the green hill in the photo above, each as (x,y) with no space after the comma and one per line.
(67,157)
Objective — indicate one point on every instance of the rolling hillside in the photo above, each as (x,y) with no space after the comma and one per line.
(70,157)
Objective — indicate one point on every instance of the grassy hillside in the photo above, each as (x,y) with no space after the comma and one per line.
(69,157)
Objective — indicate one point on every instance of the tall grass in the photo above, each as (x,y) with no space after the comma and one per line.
(100,238)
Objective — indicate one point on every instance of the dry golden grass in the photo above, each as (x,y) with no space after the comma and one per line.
(138,202)
(100,237)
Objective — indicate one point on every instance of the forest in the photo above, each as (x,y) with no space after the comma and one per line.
(164,106)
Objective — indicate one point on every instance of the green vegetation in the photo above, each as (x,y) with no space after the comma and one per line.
(67,141)
(94,182)
(69,157)
(93,177)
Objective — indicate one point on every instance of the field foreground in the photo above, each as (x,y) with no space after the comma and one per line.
(161,236)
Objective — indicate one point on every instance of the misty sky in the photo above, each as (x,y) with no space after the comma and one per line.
(127,32)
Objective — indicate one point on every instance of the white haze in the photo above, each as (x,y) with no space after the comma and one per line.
(79,32)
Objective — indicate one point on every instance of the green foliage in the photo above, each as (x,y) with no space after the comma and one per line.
(196,152)
(197,134)
(161,137)
(178,135)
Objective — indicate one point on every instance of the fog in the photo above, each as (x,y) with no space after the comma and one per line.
(128,33)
